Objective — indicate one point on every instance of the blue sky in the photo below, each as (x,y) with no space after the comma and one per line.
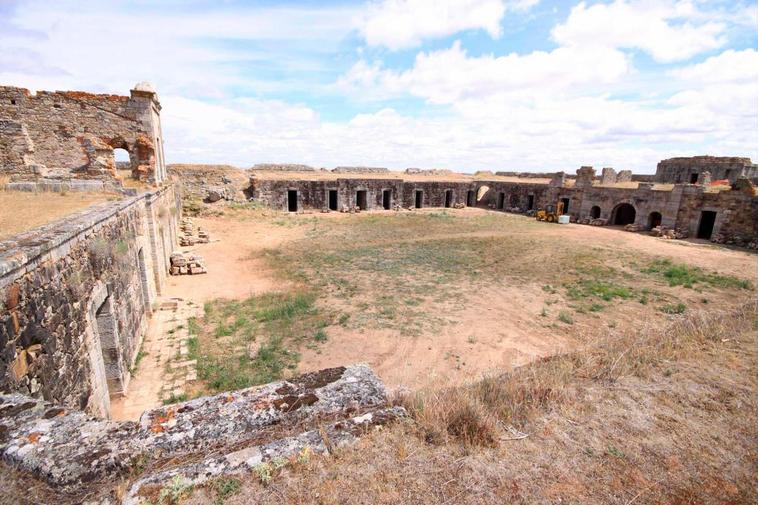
(463,84)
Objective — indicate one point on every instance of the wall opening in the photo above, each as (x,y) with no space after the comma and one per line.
(470,199)
(728,174)
(693,178)
(292,200)
(595,212)
(565,202)
(653,220)
(500,200)
(448,198)
(143,280)
(332,199)
(387,199)
(419,198)
(530,202)
(707,220)
(123,163)
(105,324)
(624,214)
(361,199)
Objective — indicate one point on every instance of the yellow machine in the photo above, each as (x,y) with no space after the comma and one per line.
(550,213)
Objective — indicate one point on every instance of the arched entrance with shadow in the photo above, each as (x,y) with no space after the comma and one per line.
(595,212)
(653,220)
(623,214)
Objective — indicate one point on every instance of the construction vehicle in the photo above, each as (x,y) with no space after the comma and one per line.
(550,213)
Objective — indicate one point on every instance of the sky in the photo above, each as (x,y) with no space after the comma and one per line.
(467,85)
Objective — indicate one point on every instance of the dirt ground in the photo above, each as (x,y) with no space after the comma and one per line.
(21,211)
(493,326)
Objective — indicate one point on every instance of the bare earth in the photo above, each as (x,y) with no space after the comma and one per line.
(497,328)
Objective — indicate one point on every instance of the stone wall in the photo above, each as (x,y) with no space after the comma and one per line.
(71,133)
(209,183)
(688,170)
(75,296)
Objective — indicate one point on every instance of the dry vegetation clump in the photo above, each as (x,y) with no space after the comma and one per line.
(653,416)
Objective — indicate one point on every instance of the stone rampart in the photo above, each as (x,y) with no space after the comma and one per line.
(75,296)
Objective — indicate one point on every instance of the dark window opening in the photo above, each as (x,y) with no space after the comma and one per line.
(419,198)
(470,200)
(500,200)
(624,214)
(292,200)
(530,202)
(332,199)
(448,198)
(693,178)
(361,199)
(707,220)
(387,199)
(595,212)
(13,102)
(57,105)
(728,173)
(565,202)
(654,219)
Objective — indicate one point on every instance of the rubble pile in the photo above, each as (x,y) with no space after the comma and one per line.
(634,227)
(188,238)
(187,264)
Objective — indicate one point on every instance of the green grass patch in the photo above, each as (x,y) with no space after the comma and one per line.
(593,288)
(671,308)
(679,274)
(254,341)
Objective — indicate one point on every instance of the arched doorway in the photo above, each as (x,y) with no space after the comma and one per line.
(123,163)
(623,213)
(653,220)
(595,212)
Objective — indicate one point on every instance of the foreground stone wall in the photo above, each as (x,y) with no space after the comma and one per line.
(230,433)
(70,133)
(75,296)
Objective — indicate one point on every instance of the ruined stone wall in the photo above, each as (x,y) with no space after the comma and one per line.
(207,182)
(75,296)
(684,170)
(71,133)
(736,213)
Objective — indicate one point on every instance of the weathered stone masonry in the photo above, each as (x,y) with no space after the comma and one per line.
(75,297)
(65,134)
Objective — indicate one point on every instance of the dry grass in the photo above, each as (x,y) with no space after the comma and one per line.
(644,417)
(21,211)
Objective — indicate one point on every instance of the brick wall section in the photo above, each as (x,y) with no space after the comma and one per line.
(75,296)
(71,133)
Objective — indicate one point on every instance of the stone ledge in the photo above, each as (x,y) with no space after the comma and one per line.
(71,450)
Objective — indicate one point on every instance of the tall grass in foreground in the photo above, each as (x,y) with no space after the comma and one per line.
(476,414)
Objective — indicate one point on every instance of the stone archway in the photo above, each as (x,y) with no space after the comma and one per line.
(653,220)
(623,214)
(595,212)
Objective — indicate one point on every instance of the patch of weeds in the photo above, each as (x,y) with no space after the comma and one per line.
(183,397)
(615,452)
(471,340)
(225,487)
(544,312)
(178,488)
(678,274)
(320,336)
(140,354)
(193,327)
(547,288)
(596,307)
(565,317)
(586,288)
(344,318)
(670,308)
(266,471)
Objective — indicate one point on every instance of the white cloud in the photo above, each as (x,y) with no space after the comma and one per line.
(664,29)
(450,75)
(399,24)
(729,66)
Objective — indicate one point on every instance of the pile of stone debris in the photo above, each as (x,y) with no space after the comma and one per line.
(634,227)
(188,238)
(663,232)
(593,222)
(187,264)
(737,240)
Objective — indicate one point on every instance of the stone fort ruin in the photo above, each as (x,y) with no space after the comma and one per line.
(76,295)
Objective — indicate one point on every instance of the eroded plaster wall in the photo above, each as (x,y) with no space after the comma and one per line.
(73,134)
(75,297)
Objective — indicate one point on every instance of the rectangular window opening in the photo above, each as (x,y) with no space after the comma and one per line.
(332,199)
(419,198)
(292,200)
(361,199)
(387,199)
